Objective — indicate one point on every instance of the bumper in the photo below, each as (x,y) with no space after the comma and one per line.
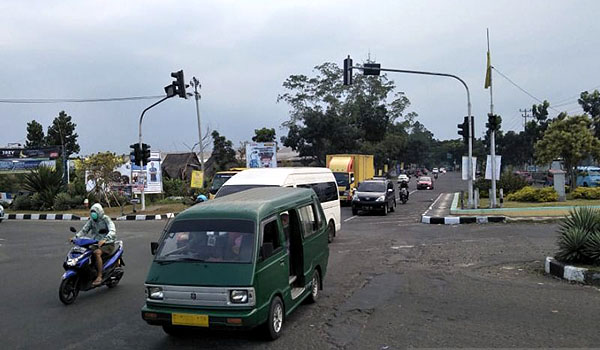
(424,187)
(217,319)
(368,205)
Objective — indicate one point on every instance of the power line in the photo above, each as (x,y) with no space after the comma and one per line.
(76,100)
(520,88)
(574,96)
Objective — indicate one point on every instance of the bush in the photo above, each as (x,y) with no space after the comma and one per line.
(508,181)
(531,194)
(586,193)
(579,237)
(22,202)
(175,187)
(36,201)
(62,201)
(76,201)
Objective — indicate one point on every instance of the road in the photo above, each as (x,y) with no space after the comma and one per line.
(392,283)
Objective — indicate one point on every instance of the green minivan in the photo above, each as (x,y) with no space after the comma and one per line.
(239,261)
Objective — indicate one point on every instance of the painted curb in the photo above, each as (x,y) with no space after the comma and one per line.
(146,217)
(571,273)
(72,217)
(456,220)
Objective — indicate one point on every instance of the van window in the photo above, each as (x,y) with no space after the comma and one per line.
(231,189)
(309,218)
(271,240)
(326,191)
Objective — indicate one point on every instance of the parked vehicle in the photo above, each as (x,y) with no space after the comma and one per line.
(349,170)
(425,182)
(220,178)
(247,259)
(588,176)
(321,180)
(80,269)
(374,195)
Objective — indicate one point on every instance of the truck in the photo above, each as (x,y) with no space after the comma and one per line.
(349,170)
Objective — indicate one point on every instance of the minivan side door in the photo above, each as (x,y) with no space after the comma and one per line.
(272,265)
(314,238)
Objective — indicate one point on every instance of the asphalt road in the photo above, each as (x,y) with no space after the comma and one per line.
(392,283)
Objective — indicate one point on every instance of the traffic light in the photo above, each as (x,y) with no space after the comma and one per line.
(136,154)
(178,86)
(371,69)
(145,157)
(463,129)
(494,122)
(348,71)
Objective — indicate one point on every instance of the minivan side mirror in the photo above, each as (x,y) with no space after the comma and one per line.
(72,229)
(153,247)
(266,250)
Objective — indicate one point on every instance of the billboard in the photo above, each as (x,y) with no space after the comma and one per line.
(24,160)
(261,155)
(152,172)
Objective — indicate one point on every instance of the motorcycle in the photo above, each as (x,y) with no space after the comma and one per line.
(80,268)
(403,195)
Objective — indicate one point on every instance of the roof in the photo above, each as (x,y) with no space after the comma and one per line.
(251,204)
(272,176)
(176,165)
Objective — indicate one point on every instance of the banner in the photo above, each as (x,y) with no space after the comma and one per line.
(465,167)
(261,155)
(20,153)
(197,179)
(24,165)
(152,172)
(488,167)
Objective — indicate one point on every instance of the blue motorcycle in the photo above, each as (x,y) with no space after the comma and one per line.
(81,270)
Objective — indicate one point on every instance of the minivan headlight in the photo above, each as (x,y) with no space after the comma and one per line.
(380,199)
(238,296)
(155,293)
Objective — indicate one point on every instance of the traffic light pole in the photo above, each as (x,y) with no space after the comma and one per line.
(140,141)
(470,166)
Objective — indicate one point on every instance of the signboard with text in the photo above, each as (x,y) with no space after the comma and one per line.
(261,155)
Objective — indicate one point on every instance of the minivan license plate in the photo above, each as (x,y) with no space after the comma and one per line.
(189,320)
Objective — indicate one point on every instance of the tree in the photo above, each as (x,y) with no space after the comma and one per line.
(223,154)
(264,135)
(46,183)
(569,138)
(35,135)
(590,103)
(62,133)
(101,169)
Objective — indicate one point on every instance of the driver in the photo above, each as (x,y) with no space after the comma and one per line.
(106,242)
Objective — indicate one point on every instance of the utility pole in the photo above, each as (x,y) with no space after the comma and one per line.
(525,116)
(493,130)
(196,84)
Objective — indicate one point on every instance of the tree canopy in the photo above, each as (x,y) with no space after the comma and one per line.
(35,135)
(264,135)
(62,132)
(223,154)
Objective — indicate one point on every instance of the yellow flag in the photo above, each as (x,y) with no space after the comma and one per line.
(488,72)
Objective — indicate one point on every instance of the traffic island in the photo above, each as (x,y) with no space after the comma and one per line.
(572,273)
(456,220)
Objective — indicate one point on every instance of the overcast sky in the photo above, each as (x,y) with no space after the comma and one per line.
(242,51)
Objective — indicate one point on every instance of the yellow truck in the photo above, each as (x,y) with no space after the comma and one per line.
(349,170)
(220,178)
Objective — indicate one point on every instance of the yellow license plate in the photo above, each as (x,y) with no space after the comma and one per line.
(189,320)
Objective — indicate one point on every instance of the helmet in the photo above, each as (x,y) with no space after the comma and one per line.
(201,198)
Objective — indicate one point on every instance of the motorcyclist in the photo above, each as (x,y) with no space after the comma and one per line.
(201,198)
(106,242)
(404,185)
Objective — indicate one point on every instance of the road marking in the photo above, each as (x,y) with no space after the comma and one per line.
(433,204)
(350,218)
(413,191)
(402,246)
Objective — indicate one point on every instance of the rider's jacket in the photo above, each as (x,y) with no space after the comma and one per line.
(92,228)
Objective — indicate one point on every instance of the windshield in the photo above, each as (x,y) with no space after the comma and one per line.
(371,187)
(342,179)
(208,240)
(218,181)
(227,190)
(425,179)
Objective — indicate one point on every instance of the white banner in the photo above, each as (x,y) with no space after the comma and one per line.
(488,167)
(261,155)
(152,172)
(465,167)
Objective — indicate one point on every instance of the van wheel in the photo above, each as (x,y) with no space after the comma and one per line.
(330,231)
(316,283)
(275,319)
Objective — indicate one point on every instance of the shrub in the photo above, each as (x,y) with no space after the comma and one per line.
(62,201)
(175,187)
(579,237)
(45,181)
(36,201)
(586,193)
(592,247)
(22,202)
(531,194)
(571,245)
(76,201)
(511,183)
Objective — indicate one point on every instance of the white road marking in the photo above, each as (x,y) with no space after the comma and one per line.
(350,218)
(432,204)
(402,246)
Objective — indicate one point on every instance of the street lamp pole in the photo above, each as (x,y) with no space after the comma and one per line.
(196,84)
(470,165)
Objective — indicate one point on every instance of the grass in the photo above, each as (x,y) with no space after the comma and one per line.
(154,208)
(485,203)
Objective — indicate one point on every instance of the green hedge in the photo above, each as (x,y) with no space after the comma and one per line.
(509,182)
(532,194)
(586,193)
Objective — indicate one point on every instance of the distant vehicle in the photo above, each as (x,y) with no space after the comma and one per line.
(525,175)
(374,195)
(349,170)
(220,178)
(403,177)
(588,176)
(443,170)
(1,213)
(425,182)
(435,170)
(321,180)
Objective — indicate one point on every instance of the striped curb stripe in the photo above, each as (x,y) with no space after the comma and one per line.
(455,220)
(571,273)
(42,217)
(146,217)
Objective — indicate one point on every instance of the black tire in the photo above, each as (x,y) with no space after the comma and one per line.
(275,320)
(68,290)
(174,331)
(330,231)
(113,283)
(385,209)
(315,286)
(393,208)
(354,211)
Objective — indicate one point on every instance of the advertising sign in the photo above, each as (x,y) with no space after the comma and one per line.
(465,167)
(197,179)
(22,165)
(152,172)
(488,167)
(261,155)
(15,153)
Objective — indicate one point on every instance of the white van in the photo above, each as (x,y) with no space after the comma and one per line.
(321,180)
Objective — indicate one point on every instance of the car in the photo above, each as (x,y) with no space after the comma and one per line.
(443,170)
(403,177)
(374,195)
(1,213)
(435,170)
(425,182)
(525,175)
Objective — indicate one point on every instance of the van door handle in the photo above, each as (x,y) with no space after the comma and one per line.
(282,261)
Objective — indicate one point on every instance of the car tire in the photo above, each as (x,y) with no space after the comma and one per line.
(330,231)
(275,320)
(316,283)
(385,209)
(393,208)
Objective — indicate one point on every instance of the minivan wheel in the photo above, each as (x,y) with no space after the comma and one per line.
(275,319)
(330,231)
(315,284)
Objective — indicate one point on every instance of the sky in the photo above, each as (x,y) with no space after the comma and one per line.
(242,51)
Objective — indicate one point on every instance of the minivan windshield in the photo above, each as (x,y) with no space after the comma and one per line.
(371,187)
(227,190)
(208,240)
(342,179)
(218,181)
